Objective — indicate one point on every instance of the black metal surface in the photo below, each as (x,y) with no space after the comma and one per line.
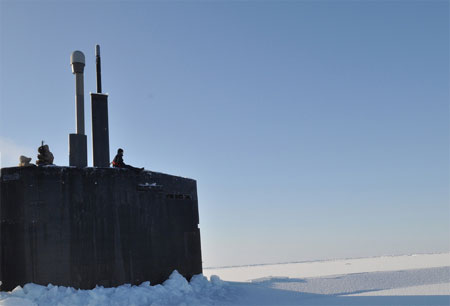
(98,68)
(78,150)
(100,130)
(87,227)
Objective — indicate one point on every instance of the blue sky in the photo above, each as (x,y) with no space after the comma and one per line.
(314,129)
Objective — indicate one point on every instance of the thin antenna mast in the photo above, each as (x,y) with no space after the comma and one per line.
(99,69)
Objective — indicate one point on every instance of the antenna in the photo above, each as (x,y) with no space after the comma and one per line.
(78,141)
(99,68)
(99,112)
(77,61)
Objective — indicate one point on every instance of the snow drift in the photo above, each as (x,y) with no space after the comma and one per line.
(390,280)
(175,291)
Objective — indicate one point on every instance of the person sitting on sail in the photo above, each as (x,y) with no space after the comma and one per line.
(118,162)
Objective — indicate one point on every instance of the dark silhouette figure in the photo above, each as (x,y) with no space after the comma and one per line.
(45,157)
(118,162)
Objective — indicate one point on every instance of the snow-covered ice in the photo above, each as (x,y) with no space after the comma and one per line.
(332,267)
(390,280)
(175,291)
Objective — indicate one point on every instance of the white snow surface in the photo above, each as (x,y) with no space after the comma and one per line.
(175,291)
(332,267)
(390,280)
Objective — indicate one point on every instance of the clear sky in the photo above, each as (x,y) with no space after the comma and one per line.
(314,129)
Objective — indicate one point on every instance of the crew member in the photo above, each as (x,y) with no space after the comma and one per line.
(118,162)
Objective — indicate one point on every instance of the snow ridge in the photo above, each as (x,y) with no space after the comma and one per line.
(175,291)
(319,260)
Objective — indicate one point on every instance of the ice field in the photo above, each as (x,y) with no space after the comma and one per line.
(422,279)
